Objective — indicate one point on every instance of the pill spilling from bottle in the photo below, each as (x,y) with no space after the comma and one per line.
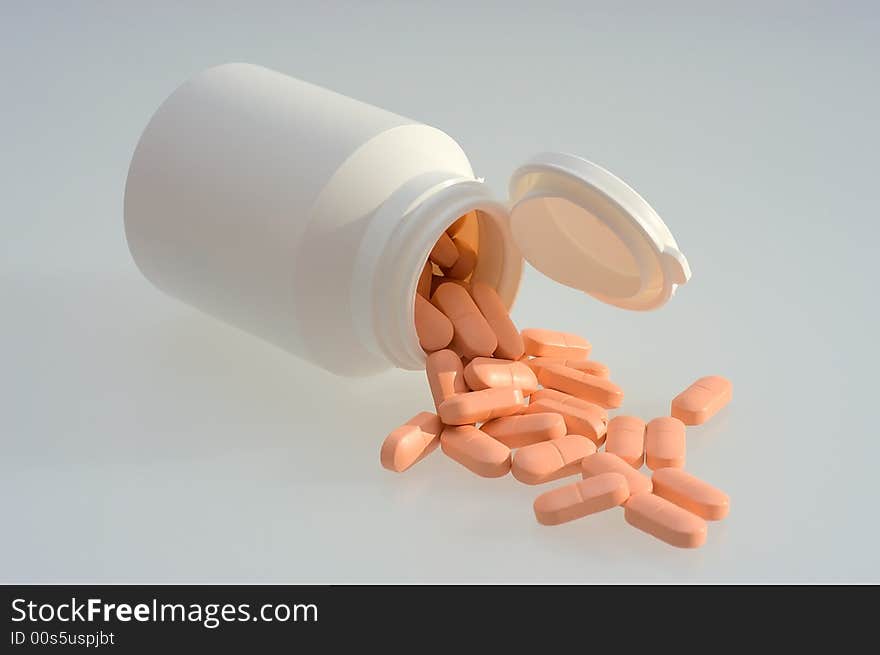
(531,403)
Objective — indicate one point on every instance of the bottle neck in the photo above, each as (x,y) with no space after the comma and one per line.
(401,234)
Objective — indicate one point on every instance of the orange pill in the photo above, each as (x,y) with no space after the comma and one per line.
(551,460)
(464,265)
(510,342)
(690,493)
(525,429)
(473,337)
(444,253)
(606,462)
(702,400)
(457,226)
(486,372)
(665,520)
(411,442)
(582,498)
(479,406)
(476,450)
(433,328)
(591,388)
(548,343)
(580,416)
(626,439)
(665,444)
(445,374)
(423,287)
(437,280)
(590,366)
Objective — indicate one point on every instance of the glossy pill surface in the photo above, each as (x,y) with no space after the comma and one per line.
(691,493)
(551,460)
(476,451)
(473,337)
(479,406)
(582,498)
(665,443)
(445,374)
(548,343)
(702,400)
(510,342)
(433,328)
(606,462)
(525,429)
(591,388)
(486,372)
(411,442)
(665,520)
(625,438)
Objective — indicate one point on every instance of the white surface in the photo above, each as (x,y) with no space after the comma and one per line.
(144,441)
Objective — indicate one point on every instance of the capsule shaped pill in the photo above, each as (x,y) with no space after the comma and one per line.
(459,224)
(473,337)
(606,462)
(665,444)
(432,327)
(437,280)
(548,343)
(525,429)
(486,372)
(590,366)
(580,416)
(702,400)
(411,442)
(551,460)
(665,520)
(423,287)
(476,450)
(479,406)
(445,374)
(444,253)
(510,342)
(592,388)
(464,264)
(625,438)
(690,493)
(582,498)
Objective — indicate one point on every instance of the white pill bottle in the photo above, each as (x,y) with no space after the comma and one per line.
(305,217)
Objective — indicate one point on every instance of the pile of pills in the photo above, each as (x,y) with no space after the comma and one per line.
(534,405)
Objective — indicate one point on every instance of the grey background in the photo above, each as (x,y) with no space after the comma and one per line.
(143,441)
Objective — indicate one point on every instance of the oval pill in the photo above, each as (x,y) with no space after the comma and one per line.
(437,280)
(590,366)
(665,443)
(432,327)
(473,337)
(625,438)
(551,460)
(690,493)
(444,253)
(486,372)
(525,429)
(582,498)
(510,342)
(464,264)
(580,416)
(479,406)
(548,343)
(476,450)
(591,388)
(459,223)
(606,462)
(445,374)
(665,520)
(411,442)
(702,400)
